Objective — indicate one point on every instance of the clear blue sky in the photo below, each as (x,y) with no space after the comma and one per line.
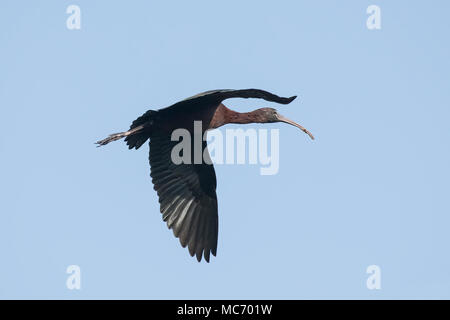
(373,188)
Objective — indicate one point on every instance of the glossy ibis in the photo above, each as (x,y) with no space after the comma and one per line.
(187,192)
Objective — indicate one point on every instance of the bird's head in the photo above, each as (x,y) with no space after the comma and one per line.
(268,115)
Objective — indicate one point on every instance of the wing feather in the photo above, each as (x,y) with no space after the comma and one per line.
(187,196)
(215,97)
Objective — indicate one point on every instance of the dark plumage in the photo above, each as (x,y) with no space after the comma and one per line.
(187,192)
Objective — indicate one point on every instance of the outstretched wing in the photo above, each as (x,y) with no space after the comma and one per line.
(215,97)
(187,196)
(254,93)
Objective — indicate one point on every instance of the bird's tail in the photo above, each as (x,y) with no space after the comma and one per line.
(139,132)
(120,135)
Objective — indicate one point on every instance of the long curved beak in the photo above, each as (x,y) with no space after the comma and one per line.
(295,124)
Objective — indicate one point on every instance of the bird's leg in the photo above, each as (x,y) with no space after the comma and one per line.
(117,136)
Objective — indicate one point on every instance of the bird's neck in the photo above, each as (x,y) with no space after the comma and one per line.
(223,115)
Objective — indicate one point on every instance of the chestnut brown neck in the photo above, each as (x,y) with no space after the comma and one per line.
(223,115)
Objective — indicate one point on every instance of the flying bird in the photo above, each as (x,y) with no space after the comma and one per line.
(187,191)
